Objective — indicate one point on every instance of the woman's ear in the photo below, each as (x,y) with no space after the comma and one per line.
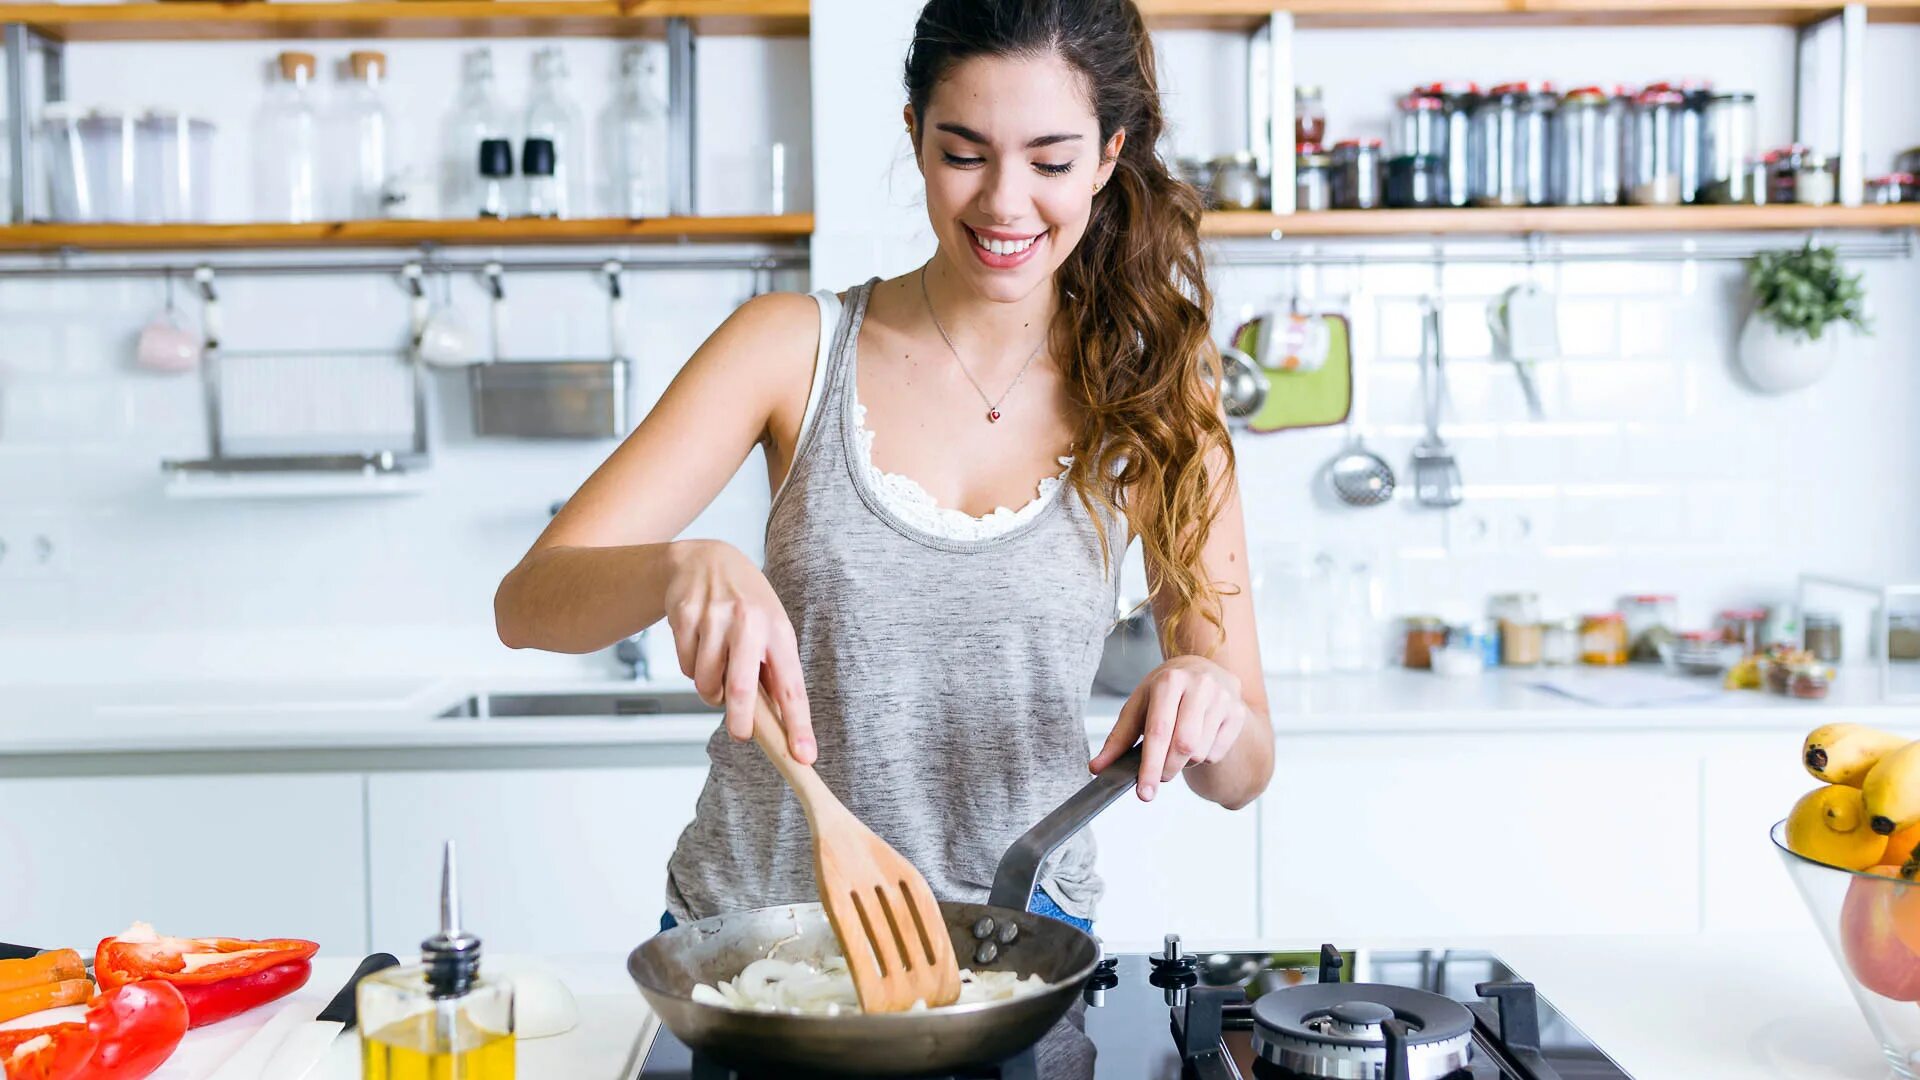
(913,136)
(1110,155)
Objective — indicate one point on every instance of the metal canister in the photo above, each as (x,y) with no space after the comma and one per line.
(1357,175)
(1457,100)
(1312,179)
(1586,149)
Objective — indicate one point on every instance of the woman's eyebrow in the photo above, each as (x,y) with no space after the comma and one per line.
(973,136)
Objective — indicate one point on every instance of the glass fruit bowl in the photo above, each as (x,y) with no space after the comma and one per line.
(1872,925)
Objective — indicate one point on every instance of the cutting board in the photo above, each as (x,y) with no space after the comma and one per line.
(1306,399)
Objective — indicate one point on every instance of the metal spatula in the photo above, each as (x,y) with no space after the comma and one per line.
(889,925)
(1436,476)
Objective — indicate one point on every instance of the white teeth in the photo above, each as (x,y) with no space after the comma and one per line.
(1004,247)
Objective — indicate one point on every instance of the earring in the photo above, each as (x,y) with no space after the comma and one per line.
(1098,186)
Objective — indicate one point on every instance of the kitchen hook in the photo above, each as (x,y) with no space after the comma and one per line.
(209,307)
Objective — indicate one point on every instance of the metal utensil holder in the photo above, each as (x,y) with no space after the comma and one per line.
(554,399)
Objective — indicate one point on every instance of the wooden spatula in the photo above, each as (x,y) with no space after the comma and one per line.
(886,918)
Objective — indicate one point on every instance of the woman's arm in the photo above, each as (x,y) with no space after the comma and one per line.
(1207,704)
(608,566)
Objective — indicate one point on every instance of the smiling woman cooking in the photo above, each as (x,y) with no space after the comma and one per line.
(958,457)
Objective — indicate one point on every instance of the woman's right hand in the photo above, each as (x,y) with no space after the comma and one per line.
(732,635)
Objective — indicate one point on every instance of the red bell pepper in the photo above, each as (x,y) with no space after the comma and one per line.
(219,977)
(61,1057)
(129,1031)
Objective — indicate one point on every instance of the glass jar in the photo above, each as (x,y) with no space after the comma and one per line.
(1903,635)
(1815,179)
(1513,608)
(1420,125)
(1742,627)
(1309,116)
(1603,639)
(1457,101)
(1809,681)
(1312,179)
(1728,148)
(1693,138)
(1425,635)
(1560,642)
(1889,189)
(1586,150)
(1416,181)
(1236,183)
(1820,635)
(1357,175)
(1783,170)
(1464,653)
(1654,147)
(1651,621)
(1517,616)
(1509,137)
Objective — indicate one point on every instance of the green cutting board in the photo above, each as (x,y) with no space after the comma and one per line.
(1305,399)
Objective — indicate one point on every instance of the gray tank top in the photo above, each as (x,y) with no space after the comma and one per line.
(948,681)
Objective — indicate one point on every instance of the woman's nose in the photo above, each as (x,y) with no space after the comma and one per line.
(1005,197)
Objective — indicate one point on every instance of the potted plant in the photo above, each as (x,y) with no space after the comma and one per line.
(1791,338)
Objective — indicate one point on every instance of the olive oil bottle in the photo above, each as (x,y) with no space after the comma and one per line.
(439,1019)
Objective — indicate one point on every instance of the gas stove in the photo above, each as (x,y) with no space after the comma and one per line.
(1422,1014)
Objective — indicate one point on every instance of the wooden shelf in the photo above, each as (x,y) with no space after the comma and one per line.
(212,20)
(405,233)
(1245,15)
(1559,219)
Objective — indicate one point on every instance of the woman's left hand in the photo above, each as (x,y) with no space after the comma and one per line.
(1187,711)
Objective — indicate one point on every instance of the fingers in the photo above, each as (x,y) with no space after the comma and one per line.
(1126,731)
(1192,729)
(1228,735)
(788,688)
(710,657)
(746,646)
(1163,710)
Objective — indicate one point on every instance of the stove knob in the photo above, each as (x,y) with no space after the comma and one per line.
(1172,967)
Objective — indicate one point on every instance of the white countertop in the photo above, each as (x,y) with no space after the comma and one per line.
(1709,1007)
(281,715)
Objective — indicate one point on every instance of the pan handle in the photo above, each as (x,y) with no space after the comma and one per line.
(1019,869)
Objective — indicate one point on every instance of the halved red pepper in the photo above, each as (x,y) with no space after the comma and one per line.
(219,977)
(67,1050)
(128,1033)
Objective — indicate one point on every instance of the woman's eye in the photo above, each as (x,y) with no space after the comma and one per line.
(959,162)
(1054,170)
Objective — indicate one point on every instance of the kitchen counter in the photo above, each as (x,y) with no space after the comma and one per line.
(1707,1007)
(401,714)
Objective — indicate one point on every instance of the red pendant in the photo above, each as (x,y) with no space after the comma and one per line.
(993,416)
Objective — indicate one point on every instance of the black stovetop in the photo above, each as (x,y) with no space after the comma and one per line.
(1132,1018)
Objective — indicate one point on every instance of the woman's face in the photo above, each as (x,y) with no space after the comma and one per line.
(1011,153)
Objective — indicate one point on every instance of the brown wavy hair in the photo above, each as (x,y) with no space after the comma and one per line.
(1132,333)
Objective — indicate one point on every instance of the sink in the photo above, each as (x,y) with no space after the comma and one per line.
(576,704)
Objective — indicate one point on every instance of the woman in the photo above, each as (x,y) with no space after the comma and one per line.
(929,649)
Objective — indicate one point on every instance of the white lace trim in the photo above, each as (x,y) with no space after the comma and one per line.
(916,506)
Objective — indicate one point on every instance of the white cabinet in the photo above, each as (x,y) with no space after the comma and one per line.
(218,856)
(551,861)
(1178,864)
(1439,837)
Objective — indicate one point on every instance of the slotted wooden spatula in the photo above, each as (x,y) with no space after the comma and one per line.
(886,918)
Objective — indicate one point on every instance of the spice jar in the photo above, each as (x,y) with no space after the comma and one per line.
(1509,147)
(1236,183)
(1309,116)
(1416,182)
(1809,681)
(1312,179)
(1820,635)
(1425,635)
(1728,148)
(1885,190)
(1586,150)
(1742,627)
(1357,175)
(1693,137)
(1651,619)
(1603,639)
(1420,125)
(1560,642)
(1654,146)
(1815,179)
(1516,616)
(1783,169)
(1457,101)
(1903,635)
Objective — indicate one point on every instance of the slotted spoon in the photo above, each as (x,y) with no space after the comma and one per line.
(889,925)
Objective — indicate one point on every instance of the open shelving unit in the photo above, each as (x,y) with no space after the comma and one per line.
(1559,220)
(210,20)
(746,229)
(1249,15)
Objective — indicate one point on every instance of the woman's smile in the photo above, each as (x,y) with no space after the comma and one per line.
(1001,250)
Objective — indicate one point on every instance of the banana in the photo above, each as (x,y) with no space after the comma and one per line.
(1891,791)
(1829,825)
(1842,753)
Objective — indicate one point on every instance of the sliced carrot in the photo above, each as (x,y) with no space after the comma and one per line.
(50,995)
(56,966)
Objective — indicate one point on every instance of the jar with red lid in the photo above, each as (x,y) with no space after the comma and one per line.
(1586,149)
(1742,627)
(1783,171)
(1654,147)
(1309,116)
(1651,621)
(1419,125)
(1888,189)
(1357,175)
(1603,639)
(1510,140)
(1457,101)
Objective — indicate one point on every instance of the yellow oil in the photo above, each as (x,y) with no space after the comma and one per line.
(410,1049)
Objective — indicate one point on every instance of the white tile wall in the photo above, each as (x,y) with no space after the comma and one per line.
(1654,469)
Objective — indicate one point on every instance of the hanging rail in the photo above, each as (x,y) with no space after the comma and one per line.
(1319,252)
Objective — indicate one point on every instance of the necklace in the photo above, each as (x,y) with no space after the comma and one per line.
(993,404)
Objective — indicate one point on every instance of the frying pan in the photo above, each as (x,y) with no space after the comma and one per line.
(667,967)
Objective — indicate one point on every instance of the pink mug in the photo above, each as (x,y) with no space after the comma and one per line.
(165,345)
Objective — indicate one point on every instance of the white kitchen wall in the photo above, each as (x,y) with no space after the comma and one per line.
(1655,469)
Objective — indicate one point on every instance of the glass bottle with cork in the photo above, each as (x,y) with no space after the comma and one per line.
(441,1017)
